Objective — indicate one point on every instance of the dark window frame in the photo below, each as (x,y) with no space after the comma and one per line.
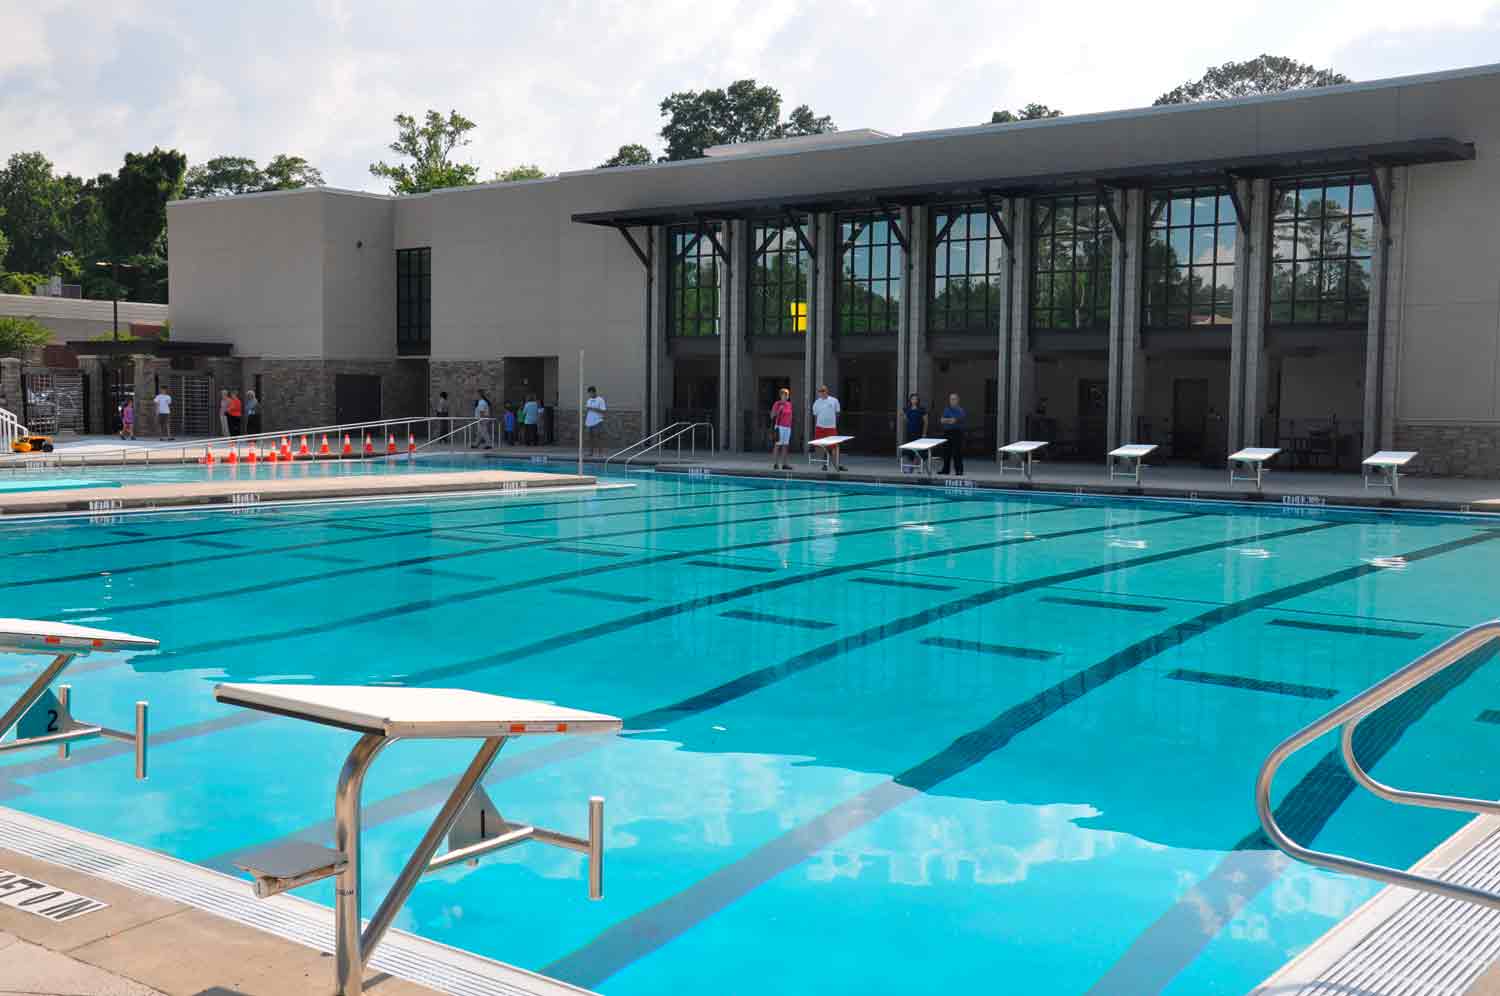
(774,285)
(958,244)
(1173,291)
(867,296)
(414,301)
(686,316)
(1048,243)
(1322,260)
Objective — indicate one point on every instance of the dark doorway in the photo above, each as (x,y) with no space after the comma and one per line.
(1189,415)
(356,398)
(524,377)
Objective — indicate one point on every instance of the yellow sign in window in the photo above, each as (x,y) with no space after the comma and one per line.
(799,315)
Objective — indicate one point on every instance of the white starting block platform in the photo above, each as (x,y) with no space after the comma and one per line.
(819,451)
(42,717)
(1024,452)
(1131,456)
(468,819)
(1387,464)
(1249,464)
(922,452)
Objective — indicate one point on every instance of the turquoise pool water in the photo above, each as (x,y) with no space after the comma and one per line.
(880,740)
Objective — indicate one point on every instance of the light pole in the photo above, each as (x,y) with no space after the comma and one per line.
(113,265)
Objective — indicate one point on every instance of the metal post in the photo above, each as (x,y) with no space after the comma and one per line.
(64,697)
(348,966)
(140,741)
(596,847)
(580,413)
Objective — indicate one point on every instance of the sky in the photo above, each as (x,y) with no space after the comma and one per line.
(563,84)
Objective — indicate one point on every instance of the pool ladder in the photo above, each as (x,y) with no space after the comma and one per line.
(1349,716)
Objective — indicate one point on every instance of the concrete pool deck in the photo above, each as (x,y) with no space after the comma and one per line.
(255,491)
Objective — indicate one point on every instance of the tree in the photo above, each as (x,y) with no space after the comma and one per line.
(4,248)
(428,145)
(223,176)
(17,334)
(29,204)
(290,173)
(741,112)
(1031,112)
(1263,74)
(135,204)
(629,155)
(525,171)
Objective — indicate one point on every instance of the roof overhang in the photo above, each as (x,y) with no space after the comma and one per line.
(1332,160)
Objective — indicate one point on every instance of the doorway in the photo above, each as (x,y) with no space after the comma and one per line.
(1189,417)
(356,398)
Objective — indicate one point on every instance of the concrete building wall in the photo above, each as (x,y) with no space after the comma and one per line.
(359,278)
(72,318)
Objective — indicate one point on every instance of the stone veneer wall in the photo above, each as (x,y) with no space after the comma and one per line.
(463,380)
(297,393)
(621,427)
(1452,450)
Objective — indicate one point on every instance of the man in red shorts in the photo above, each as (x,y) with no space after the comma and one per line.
(826,421)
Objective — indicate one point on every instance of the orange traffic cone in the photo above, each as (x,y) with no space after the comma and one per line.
(252,454)
(207,459)
(390,443)
(348,448)
(286,448)
(232,456)
(271,455)
(323,449)
(302,450)
(411,442)
(369,446)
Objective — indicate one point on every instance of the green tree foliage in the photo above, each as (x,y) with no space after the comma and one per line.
(222,176)
(741,112)
(17,334)
(135,204)
(286,172)
(428,145)
(1263,74)
(1031,112)
(629,155)
(525,171)
(31,206)
(4,248)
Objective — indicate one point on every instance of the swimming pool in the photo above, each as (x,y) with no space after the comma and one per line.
(23,478)
(879,740)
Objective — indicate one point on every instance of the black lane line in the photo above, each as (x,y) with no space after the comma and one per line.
(1424,623)
(425,530)
(630,939)
(1254,684)
(569,548)
(1097,603)
(998,649)
(217,544)
(1398,634)
(766,617)
(326,558)
(452,575)
(603,596)
(731,566)
(288,518)
(1178,936)
(1489,716)
(894,583)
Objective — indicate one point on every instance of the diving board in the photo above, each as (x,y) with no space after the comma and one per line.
(1131,457)
(922,451)
(1388,465)
(1249,464)
(468,819)
(1024,451)
(42,717)
(819,451)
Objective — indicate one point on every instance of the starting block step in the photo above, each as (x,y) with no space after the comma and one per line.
(288,865)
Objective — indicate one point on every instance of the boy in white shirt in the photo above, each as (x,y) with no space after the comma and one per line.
(593,422)
(163,401)
(826,421)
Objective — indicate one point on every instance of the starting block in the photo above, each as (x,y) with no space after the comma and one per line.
(819,451)
(1025,452)
(922,450)
(1388,465)
(1249,464)
(1132,456)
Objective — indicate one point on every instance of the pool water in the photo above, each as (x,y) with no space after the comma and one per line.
(878,740)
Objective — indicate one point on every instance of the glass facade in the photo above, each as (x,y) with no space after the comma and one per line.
(967,270)
(778,280)
(1188,268)
(1072,256)
(1322,237)
(413,302)
(869,285)
(692,282)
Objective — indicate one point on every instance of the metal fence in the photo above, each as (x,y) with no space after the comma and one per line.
(55,401)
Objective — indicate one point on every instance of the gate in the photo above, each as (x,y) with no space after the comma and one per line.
(120,388)
(54,401)
(193,405)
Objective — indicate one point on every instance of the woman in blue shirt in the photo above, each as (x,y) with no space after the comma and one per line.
(916,423)
(953,431)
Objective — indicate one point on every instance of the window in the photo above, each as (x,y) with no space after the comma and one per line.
(1323,231)
(966,270)
(1072,254)
(778,280)
(869,290)
(1189,261)
(692,282)
(413,302)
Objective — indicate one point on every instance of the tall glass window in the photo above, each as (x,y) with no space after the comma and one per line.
(869,289)
(1072,254)
(778,280)
(1189,262)
(966,270)
(1323,232)
(413,302)
(692,282)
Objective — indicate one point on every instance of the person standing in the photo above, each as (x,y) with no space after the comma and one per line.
(508,424)
(916,424)
(236,414)
(252,412)
(593,422)
(127,419)
(440,406)
(163,402)
(223,412)
(482,415)
(781,425)
(530,412)
(953,430)
(825,412)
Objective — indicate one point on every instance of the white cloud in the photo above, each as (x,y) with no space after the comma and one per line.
(565,84)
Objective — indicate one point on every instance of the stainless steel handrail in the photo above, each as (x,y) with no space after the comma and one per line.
(646,441)
(1350,715)
(689,430)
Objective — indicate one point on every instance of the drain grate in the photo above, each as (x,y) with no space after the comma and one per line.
(401,954)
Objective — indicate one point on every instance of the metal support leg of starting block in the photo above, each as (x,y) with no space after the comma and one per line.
(63,730)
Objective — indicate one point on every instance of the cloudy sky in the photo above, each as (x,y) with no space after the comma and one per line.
(564,84)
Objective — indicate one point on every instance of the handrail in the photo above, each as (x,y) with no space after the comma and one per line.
(644,441)
(10,428)
(690,430)
(1350,715)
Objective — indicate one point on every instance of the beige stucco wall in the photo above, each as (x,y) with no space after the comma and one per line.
(74,318)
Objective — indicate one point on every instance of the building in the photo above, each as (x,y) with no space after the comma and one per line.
(1317,269)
